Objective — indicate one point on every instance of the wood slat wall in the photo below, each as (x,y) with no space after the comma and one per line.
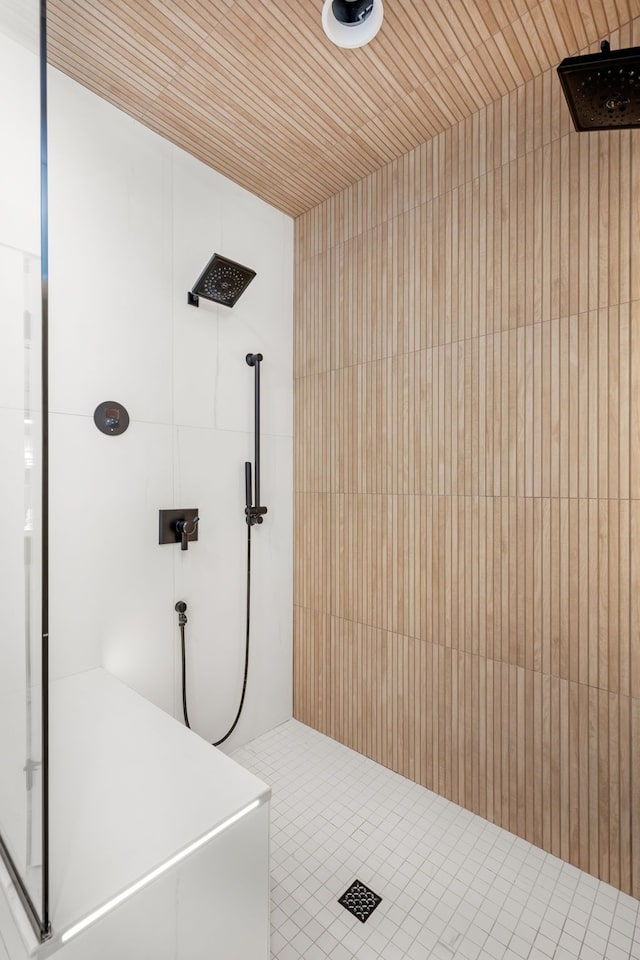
(257,91)
(467,473)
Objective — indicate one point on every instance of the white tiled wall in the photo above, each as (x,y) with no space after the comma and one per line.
(133,221)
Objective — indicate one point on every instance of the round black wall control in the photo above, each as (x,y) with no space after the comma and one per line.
(111,418)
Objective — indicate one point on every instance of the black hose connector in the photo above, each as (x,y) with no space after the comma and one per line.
(180,609)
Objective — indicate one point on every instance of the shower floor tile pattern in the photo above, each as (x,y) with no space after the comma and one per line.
(452,884)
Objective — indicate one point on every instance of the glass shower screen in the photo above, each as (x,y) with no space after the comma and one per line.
(22,441)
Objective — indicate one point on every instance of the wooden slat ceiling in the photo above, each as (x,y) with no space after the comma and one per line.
(255,89)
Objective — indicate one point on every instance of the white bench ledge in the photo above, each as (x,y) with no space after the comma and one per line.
(131,790)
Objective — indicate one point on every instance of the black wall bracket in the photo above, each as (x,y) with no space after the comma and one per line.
(254,512)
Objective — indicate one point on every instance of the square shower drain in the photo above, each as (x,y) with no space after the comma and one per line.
(360,900)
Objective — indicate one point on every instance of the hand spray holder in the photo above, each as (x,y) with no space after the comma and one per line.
(254,512)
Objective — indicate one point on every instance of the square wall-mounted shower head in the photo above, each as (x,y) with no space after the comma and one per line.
(223,281)
(603,89)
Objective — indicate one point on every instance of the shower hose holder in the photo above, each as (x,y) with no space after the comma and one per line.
(254,511)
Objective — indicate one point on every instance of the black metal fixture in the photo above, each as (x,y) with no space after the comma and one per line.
(603,89)
(178,526)
(360,900)
(111,418)
(181,610)
(352,23)
(351,12)
(254,512)
(223,281)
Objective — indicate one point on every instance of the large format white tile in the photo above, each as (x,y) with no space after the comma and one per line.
(111,582)
(11,328)
(16,301)
(14,520)
(259,333)
(196,361)
(212,386)
(197,223)
(271,662)
(216,389)
(263,322)
(13,649)
(196,237)
(135,220)
(20,154)
(110,258)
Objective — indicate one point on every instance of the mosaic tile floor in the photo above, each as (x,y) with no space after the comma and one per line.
(452,884)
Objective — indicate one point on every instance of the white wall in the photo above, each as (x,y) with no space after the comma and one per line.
(133,220)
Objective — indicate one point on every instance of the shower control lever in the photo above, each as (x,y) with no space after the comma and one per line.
(185,528)
(178,526)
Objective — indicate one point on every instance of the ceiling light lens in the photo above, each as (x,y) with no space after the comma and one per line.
(358,24)
(351,12)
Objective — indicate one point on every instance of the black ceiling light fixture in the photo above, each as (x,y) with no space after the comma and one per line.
(222,281)
(603,89)
(352,23)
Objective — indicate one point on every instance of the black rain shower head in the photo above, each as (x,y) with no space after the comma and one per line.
(603,89)
(222,281)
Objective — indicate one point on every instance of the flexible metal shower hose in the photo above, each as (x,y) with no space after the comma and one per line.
(182,623)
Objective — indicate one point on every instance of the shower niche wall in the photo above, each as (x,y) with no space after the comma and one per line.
(22,791)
